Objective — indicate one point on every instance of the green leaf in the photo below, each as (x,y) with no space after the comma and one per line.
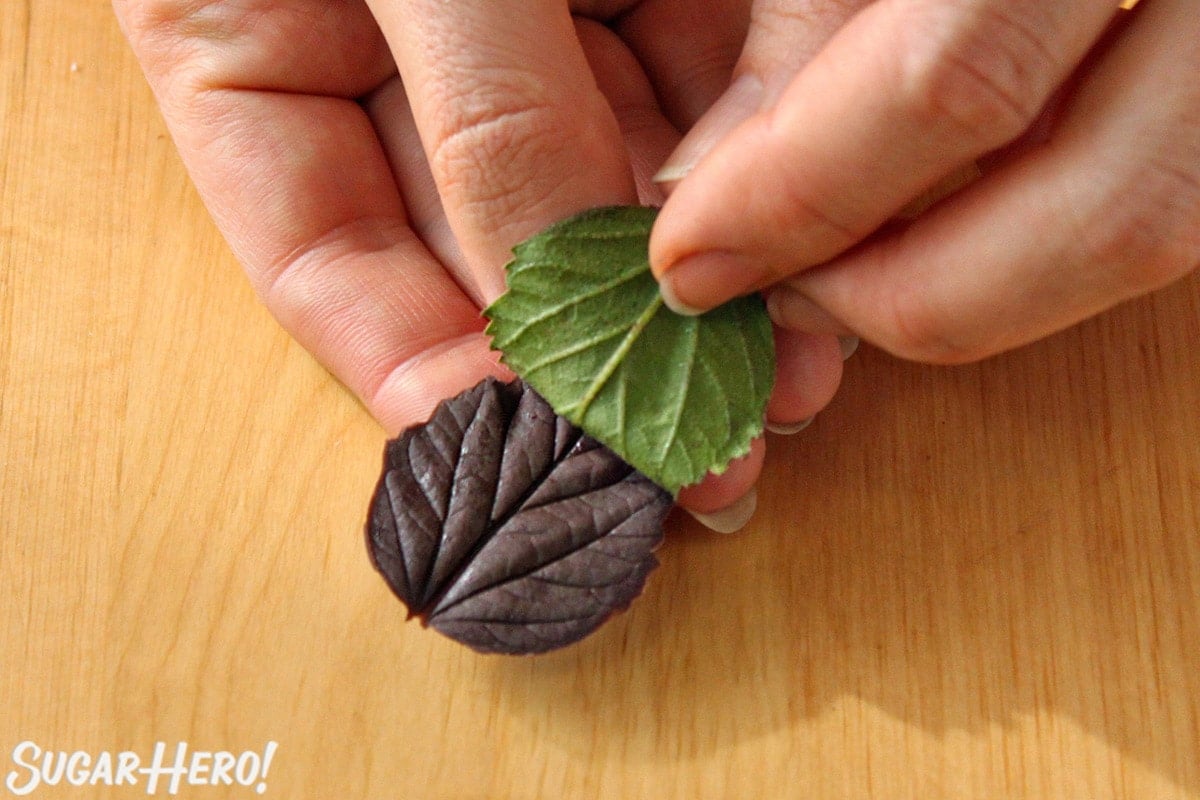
(583,323)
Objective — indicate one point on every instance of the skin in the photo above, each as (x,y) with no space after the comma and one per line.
(372,164)
(1087,140)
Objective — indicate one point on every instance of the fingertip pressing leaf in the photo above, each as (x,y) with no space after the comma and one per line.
(584,323)
(506,528)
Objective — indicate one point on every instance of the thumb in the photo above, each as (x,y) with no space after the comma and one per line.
(901,97)
(783,36)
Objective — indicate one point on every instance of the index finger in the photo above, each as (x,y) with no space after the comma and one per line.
(902,96)
(515,130)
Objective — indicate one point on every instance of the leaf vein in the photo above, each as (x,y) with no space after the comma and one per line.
(574,301)
(618,356)
(684,393)
(576,349)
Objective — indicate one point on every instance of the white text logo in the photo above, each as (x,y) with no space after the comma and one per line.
(37,767)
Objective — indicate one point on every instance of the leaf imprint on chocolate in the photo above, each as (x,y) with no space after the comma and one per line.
(505,527)
(584,323)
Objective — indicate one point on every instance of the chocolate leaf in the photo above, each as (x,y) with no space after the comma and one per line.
(505,527)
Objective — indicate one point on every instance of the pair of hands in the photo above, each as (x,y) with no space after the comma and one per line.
(372,162)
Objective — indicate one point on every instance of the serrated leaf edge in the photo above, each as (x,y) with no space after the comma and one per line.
(736,445)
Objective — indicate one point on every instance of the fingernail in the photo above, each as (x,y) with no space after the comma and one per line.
(675,169)
(704,281)
(790,309)
(732,518)
(741,99)
(789,428)
(849,345)
(667,289)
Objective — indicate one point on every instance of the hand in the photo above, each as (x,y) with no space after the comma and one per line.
(376,252)
(1085,127)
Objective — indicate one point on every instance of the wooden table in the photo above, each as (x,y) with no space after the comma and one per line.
(978,582)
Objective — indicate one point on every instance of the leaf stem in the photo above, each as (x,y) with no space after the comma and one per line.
(618,356)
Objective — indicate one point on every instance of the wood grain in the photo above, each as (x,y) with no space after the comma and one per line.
(975,582)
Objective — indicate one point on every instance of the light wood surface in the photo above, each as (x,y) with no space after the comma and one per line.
(979,582)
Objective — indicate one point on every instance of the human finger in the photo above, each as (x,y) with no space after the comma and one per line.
(808,371)
(1107,209)
(508,111)
(904,94)
(646,133)
(688,49)
(388,109)
(299,186)
(305,46)
(725,503)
